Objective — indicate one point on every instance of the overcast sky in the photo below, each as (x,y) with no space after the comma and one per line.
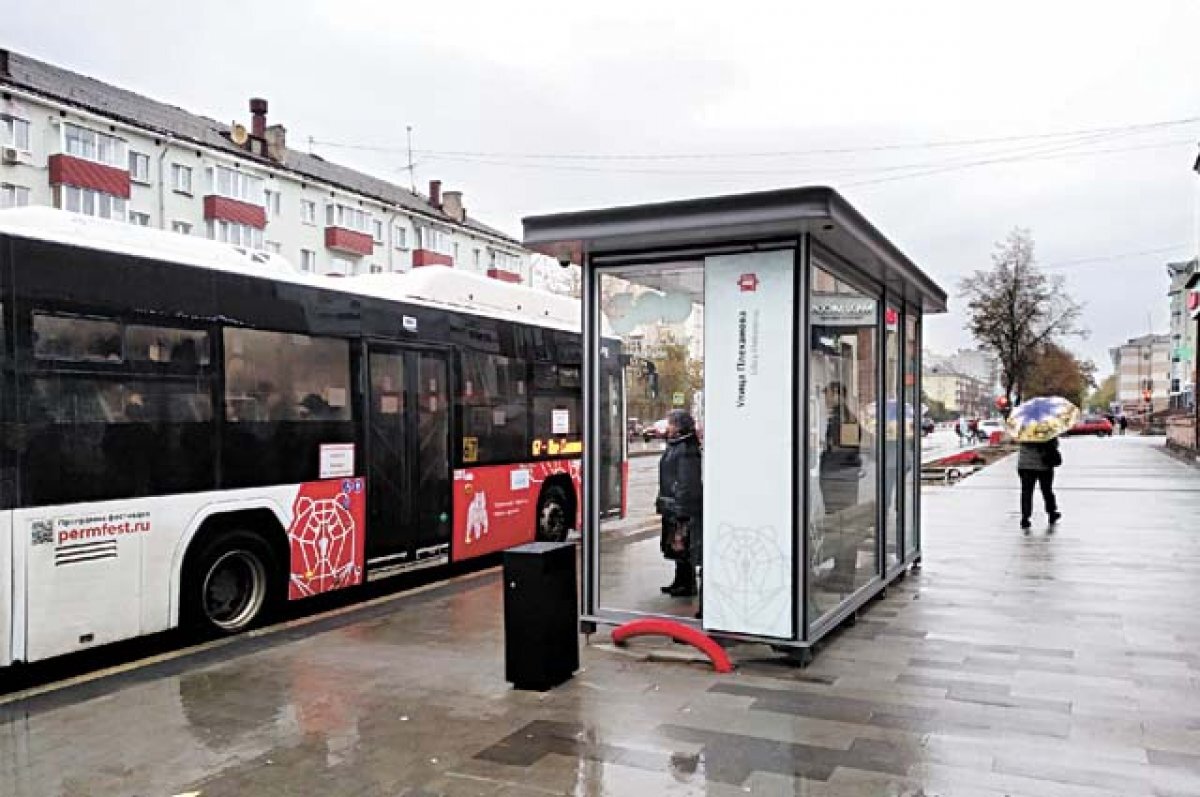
(513,83)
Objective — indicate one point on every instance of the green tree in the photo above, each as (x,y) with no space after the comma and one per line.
(1105,394)
(1015,309)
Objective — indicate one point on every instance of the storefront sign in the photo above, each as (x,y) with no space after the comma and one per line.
(748,456)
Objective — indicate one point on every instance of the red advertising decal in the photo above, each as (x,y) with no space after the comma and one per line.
(495,507)
(326,537)
(1193,300)
(748,283)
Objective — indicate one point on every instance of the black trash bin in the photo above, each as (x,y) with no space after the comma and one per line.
(541,615)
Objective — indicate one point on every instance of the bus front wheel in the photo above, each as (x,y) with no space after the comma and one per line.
(233,585)
(553,519)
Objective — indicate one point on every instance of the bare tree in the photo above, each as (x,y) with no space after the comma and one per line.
(1016,309)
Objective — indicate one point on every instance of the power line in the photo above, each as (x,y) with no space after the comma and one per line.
(945,143)
(1082,261)
(911,170)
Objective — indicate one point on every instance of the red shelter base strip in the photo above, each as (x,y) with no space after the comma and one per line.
(680,633)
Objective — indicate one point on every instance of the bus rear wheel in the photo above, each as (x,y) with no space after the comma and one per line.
(553,521)
(234,584)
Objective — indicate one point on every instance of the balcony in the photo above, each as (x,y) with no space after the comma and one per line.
(82,173)
(234,210)
(428,257)
(504,276)
(350,242)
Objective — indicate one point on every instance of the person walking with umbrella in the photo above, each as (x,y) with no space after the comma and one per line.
(1036,425)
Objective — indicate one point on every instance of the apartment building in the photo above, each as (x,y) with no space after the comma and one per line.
(1143,367)
(1183,332)
(74,142)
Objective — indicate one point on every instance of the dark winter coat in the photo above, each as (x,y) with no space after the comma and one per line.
(680,488)
(681,497)
(1038,456)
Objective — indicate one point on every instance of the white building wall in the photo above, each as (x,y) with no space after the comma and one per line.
(165,206)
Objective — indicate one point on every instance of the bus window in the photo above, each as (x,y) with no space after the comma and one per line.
(181,347)
(495,405)
(285,395)
(101,437)
(274,376)
(77,339)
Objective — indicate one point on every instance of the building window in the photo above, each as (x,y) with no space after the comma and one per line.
(376,268)
(181,227)
(478,256)
(140,219)
(400,237)
(91,145)
(455,255)
(234,184)
(181,178)
(274,247)
(308,260)
(432,239)
(505,261)
(14,132)
(92,203)
(308,211)
(377,226)
(230,232)
(348,217)
(272,200)
(139,167)
(341,266)
(13,196)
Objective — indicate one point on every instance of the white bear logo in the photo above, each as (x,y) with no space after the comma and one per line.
(477,517)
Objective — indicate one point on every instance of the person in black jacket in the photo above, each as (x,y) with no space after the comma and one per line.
(1035,465)
(680,502)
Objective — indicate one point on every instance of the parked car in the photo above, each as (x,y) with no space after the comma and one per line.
(655,431)
(633,427)
(1092,424)
(987,428)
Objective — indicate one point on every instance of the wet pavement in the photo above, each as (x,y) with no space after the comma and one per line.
(1058,662)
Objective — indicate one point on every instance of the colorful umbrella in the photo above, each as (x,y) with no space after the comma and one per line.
(1040,419)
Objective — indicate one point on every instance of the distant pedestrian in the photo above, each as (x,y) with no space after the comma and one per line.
(1035,465)
(963,429)
(1123,423)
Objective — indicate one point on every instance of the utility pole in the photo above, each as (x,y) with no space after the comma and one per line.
(412,175)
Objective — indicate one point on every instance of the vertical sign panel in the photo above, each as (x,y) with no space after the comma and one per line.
(748,457)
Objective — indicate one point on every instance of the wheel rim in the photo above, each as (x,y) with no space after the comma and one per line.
(234,590)
(553,521)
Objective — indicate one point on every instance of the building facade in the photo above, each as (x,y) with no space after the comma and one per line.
(962,394)
(75,143)
(1143,368)
(1183,333)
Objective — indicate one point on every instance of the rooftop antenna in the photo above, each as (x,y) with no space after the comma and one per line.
(310,145)
(412,176)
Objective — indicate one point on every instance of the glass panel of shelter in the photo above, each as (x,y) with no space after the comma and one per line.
(656,312)
(843,441)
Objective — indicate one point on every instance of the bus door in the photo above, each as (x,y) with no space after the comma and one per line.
(408,464)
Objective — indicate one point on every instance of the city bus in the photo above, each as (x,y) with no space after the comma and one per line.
(195,434)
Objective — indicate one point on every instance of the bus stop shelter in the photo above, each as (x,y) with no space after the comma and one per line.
(789,328)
